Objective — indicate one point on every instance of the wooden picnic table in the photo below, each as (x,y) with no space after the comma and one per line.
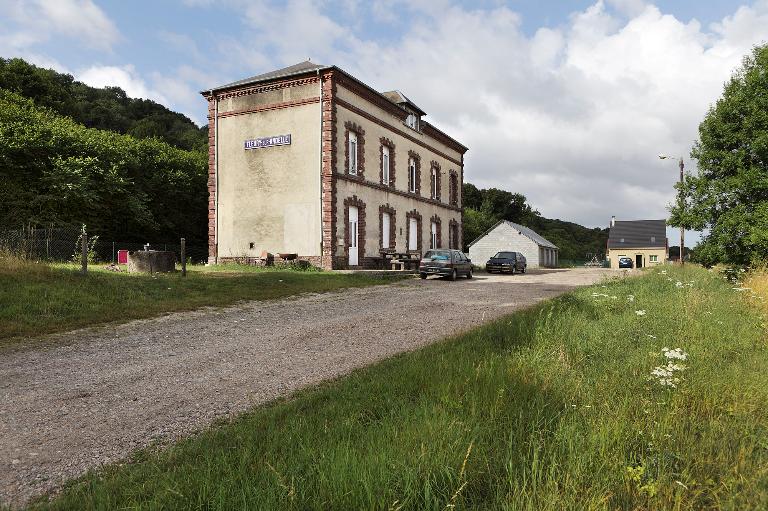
(408,259)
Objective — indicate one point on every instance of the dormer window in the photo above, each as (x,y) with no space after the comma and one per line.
(412,121)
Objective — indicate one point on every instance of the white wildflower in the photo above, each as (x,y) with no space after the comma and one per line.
(640,313)
(663,272)
(631,298)
(676,353)
(651,336)
(679,284)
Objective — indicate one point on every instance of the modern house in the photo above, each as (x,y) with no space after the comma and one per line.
(512,237)
(643,241)
(311,161)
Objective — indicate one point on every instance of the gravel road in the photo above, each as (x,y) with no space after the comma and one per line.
(74,401)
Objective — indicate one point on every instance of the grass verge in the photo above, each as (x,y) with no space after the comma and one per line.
(38,299)
(551,408)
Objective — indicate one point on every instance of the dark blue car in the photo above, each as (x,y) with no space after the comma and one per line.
(509,262)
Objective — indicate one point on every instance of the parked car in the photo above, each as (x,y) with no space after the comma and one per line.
(511,262)
(447,263)
(626,262)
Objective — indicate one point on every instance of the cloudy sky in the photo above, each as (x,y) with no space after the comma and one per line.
(567,102)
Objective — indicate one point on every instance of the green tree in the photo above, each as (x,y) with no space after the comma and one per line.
(55,171)
(729,195)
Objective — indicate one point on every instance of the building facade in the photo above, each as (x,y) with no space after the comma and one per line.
(508,236)
(308,160)
(643,241)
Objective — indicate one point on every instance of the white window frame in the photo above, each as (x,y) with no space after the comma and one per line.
(654,258)
(386,220)
(412,174)
(353,148)
(433,182)
(412,121)
(385,165)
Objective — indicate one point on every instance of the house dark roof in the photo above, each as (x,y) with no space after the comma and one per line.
(530,233)
(296,69)
(398,98)
(638,234)
(306,67)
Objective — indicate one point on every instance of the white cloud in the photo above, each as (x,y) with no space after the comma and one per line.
(572,116)
(124,77)
(35,21)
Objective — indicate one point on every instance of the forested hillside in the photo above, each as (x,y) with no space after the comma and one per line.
(483,208)
(54,171)
(107,109)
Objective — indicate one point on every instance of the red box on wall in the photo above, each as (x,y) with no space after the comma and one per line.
(122,257)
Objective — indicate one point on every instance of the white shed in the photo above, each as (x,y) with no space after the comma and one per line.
(509,236)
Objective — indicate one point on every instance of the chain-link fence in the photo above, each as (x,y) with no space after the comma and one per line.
(63,244)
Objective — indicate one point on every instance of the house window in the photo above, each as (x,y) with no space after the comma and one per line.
(621,240)
(654,259)
(433,235)
(412,121)
(353,153)
(453,189)
(433,183)
(385,167)
(385,226)
(412,175)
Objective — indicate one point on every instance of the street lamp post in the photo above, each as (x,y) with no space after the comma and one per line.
(682,227)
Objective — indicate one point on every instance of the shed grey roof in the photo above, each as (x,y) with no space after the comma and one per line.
(526,231)
(296,69)
(638,234)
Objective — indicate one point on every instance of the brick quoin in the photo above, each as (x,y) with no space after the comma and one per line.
(328,169)
(212,251)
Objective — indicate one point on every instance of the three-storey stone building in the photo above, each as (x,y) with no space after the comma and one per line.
(309,160)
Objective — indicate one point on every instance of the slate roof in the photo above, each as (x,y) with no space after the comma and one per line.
(638,234)
(530,233)
(398,98)
(296,69)
(310,67)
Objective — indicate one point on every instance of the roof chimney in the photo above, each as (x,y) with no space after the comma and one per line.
(613,221)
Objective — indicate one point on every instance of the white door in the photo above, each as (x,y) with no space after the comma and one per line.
(385,230)
(353,253)
(413,227)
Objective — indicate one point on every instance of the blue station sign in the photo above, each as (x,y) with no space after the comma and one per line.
(258,143)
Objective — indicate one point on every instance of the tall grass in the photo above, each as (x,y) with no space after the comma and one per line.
(37,298)
(551,408)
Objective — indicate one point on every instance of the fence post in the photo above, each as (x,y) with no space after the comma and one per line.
(183,257)
(84,260)
(113,252)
